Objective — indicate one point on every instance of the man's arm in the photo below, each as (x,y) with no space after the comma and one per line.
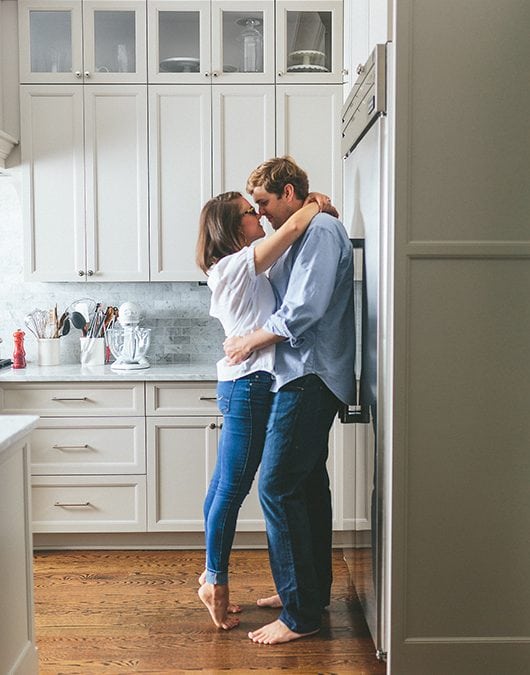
(238,349)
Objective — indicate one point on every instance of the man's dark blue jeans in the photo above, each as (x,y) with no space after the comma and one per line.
(296,500)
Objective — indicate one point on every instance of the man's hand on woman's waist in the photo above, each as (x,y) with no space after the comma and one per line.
(238,348)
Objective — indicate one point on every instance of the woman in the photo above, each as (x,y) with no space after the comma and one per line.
(242,298)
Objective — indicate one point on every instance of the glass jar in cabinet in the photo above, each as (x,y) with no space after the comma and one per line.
(308,42)
(69,41)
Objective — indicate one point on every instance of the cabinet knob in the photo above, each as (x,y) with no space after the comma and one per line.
(206,74)
(90,273)
(215,74)
(359,69)
(280,73)
(212,425)
(87,74)
(78,74)
(81,273)
(344,71)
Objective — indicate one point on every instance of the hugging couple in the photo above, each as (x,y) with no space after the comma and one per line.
(286,305)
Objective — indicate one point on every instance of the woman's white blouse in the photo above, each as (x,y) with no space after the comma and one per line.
(242,301)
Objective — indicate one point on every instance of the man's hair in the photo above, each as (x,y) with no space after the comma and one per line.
(274,174)
(219,229)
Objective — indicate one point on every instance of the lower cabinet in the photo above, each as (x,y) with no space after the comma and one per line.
(18,653)
(137,457)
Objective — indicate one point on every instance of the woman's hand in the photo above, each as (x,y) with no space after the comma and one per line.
(323,202)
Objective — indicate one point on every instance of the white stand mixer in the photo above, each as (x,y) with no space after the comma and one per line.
(130,343)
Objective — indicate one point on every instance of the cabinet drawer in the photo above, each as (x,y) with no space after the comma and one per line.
(88,504)
(88,446)
(193,398)
(75,399)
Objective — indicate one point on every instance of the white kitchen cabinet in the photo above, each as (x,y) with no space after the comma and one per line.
(75,41)
(203,140)
(18,652)
(226,42)
(309,41)
(88,463)
(183,429)
(92,142)
(307,129)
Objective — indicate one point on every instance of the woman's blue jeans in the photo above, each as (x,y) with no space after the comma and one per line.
(245,405)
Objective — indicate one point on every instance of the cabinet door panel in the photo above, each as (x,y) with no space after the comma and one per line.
(88,446)
(116,182)
(88,503)
(114,39)
(243,131)
(242,41)
(180,460)
(179,41)
(180,177)
(50,37)
(52,156)
(308,127)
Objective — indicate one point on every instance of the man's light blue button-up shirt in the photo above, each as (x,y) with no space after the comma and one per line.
(313,282)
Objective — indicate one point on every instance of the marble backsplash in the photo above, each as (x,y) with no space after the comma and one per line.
(183,331)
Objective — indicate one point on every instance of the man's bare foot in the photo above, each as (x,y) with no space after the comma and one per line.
(215,597)
(271,601)
(275,633)
(232,608)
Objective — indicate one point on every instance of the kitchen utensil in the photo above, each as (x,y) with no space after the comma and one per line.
(129,344)
(78,320)
(180,64)
(303,68)
(307,57)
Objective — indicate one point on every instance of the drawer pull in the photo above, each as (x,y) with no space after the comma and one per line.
(82,504)
(207,398)
(70,447)
(70,398)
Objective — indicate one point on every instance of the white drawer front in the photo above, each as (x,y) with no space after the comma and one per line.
(88,504)
(88,446)
(75,399)
(193,398)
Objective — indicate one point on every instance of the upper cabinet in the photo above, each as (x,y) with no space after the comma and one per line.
(68,41)
(195,41)
(308,42)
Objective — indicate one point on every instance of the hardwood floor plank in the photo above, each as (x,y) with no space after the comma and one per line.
(114,612)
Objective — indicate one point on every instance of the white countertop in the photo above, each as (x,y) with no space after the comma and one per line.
(14,427)
(198,371)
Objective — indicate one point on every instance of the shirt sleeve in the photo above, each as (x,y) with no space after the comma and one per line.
(310,287)
(229,279)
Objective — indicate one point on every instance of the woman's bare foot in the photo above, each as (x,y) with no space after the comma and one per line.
(271,601)
(231,608)
(275,633)
(215,597)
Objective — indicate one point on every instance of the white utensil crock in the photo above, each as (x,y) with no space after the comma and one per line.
(48,351)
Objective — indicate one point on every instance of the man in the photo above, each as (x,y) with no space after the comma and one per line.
(315,344)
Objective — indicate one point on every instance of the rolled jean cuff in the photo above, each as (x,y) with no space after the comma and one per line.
(219,578)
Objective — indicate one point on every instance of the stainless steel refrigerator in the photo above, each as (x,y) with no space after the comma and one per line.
(364,148)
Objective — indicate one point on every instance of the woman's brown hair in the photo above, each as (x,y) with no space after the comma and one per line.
(219,229)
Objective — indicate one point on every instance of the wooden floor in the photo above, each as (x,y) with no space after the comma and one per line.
(119,612)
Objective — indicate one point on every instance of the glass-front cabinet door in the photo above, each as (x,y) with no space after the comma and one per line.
(92,41)
(242,41)
(114,39)
(308,41)
(51,42)
(179,41)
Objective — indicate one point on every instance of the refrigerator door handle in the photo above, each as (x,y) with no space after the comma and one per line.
(358,413)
